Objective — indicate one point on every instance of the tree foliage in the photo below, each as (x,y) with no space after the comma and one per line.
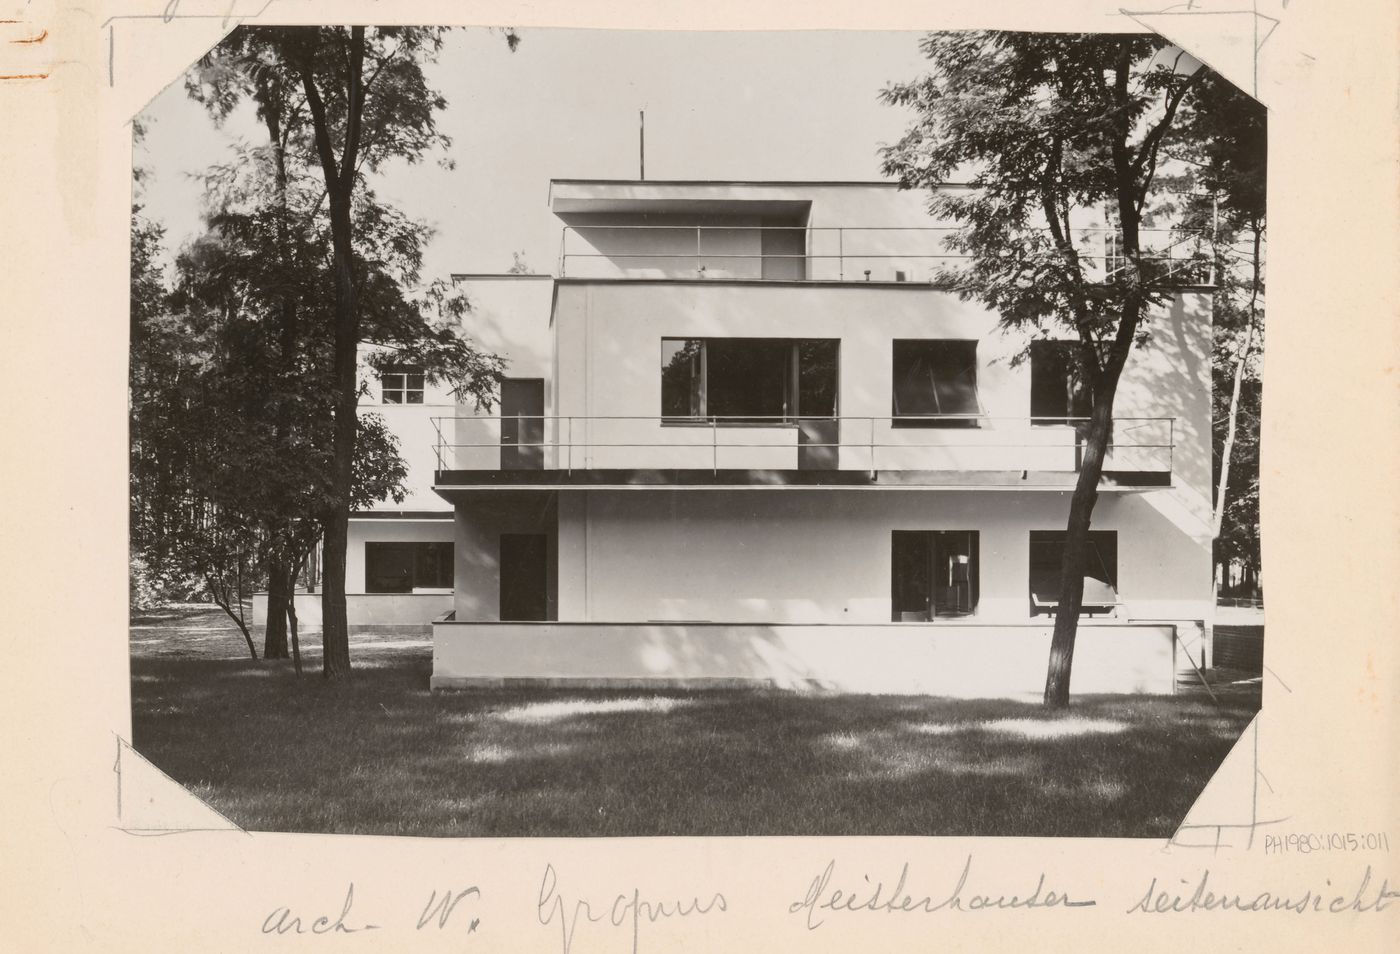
(1047,129)
(338,105)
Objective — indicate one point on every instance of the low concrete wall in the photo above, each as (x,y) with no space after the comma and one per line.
(367,611)
(944,659)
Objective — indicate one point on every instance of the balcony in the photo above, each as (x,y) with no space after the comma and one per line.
(934,452)
(919,255)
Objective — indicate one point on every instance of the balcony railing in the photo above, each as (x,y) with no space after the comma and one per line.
(962,444)
(842,254)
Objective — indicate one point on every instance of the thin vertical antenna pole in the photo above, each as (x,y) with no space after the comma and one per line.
(642,141)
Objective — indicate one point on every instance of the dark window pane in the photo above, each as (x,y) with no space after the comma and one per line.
(818,364)
(1100,568)
(956,577)
(388,567)
(434,565)
(1058,387)
(400,567)
(911,556)
(402,385)
(933,573)
(748,378)
(936,378)
(681,378)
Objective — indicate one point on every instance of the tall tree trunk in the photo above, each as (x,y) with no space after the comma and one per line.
(340,189)
(1241,366)
(335,633)
(1081,510)
(292,618)
(281,595)
(278,597)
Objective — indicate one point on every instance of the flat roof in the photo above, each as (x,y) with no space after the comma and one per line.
(512,276)
(740,182)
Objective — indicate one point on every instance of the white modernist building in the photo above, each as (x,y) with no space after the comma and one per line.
(746,439)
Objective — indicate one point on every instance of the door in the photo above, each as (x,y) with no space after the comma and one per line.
(522,424)
(524,577)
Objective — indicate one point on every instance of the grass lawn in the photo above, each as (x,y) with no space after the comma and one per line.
(382,755)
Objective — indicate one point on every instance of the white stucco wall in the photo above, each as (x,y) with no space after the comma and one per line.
(823,556)
(510,316)
(608,340)
(805,556)
(367,611)
(480,520)
(960,661)
(853,228)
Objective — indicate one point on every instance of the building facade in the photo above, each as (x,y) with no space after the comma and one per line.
(746,438)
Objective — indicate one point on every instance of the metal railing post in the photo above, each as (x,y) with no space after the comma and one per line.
(872,448)
(570,438)
(841,255)
(699,262)
(714,445)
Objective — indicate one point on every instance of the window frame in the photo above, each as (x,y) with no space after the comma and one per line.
(1097,541)
(792,385)
(423,554)
(403,389)
(903,419)
(933,540)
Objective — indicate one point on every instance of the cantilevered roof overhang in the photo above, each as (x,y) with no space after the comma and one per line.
(790,201)
(454,484)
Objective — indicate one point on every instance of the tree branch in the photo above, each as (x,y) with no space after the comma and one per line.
(1147,152)
(355,101)
(306,67)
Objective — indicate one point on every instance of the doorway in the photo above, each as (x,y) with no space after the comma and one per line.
(524,577)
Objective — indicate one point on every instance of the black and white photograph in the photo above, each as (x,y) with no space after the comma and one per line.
(604,433)
(634,476)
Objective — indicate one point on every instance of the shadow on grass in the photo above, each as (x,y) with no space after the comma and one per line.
(383,755)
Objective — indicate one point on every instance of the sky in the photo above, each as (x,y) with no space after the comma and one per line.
(746,106)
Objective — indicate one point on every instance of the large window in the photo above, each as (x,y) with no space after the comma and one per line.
(935,383)
(1100,571)
(1059,390)
(933,573)
(404,567)
(748,380)
(402,385)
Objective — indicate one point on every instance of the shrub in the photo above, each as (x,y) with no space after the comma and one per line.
(152,586)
